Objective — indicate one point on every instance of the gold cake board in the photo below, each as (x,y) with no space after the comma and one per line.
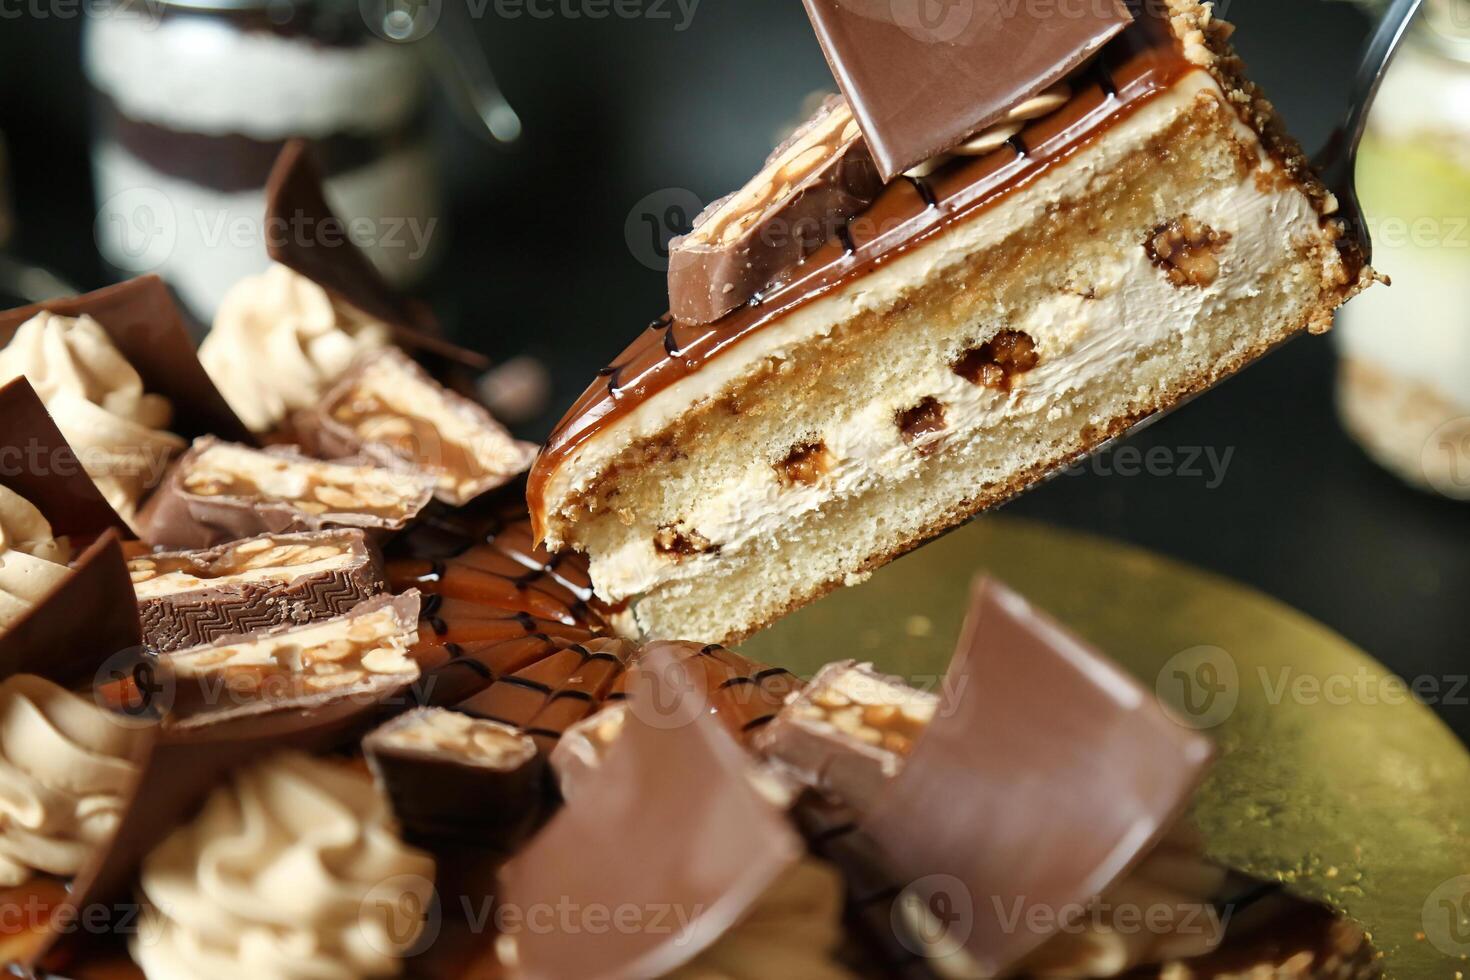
(1331,778)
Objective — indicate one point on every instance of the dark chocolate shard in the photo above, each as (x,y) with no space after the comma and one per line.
(388,410)
(186,598)
(37,463)
(922,77)
(1067,771)
(88,622)
(808,188)
(670,822)
(361,656)
(307,236)
(452,776)
(220,491)
(848,732)
(143,321)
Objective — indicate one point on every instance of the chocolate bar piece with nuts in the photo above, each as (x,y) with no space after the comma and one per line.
(360,656)
(388,410)
(186,598)
(451,776)
(221,491)
(849,731)
(812,183)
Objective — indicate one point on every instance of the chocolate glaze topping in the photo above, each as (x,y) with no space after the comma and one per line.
(1142,62)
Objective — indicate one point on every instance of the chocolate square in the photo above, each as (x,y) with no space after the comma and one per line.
(922,76)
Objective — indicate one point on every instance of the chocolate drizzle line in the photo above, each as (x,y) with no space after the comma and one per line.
(1141,63)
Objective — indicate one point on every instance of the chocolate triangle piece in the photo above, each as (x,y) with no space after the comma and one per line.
(145,324)
(305,235)
(1046,774)
(922,77)
(179,771)
(669,826)
(86,621)
(37,462)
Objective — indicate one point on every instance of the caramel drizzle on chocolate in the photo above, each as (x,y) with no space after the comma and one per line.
(1137,65)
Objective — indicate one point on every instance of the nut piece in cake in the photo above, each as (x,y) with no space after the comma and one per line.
(848,731)
(363,654)
(449,774)
(220,491)
(1188,251)
(390,411)
(186,598)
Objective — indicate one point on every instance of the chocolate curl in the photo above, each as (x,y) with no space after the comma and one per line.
(921,85)
(144,323)
(45,470)
(670,822)
(90,616)
(86,621)
(294,196)
(1045,776)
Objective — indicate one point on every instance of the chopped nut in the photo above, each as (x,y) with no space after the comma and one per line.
(923,419)
(997,361)
(805,464)
(671,541)
(1188,251)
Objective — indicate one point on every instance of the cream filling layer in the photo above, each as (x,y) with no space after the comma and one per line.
(1080,341)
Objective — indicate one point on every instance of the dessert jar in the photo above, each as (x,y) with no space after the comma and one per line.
(1404,375)
(194,99)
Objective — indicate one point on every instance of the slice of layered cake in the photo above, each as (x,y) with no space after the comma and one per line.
(889,330)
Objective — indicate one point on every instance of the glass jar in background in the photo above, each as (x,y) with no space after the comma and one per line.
(1404,380)
(196,97)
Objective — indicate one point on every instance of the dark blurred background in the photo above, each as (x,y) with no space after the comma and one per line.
(546,251)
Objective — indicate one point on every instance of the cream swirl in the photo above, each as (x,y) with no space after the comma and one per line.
(278,343)
(32,562)
(793,931)
(292,870)
(119,432)
(65,768)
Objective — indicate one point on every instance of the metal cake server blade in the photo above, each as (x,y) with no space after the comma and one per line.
(1338,160)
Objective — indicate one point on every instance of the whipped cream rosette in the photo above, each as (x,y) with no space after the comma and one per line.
(32,562)
(118,430)
(280,341)
(293,869)
(66,767)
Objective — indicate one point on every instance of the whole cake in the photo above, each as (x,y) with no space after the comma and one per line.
(919,308)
